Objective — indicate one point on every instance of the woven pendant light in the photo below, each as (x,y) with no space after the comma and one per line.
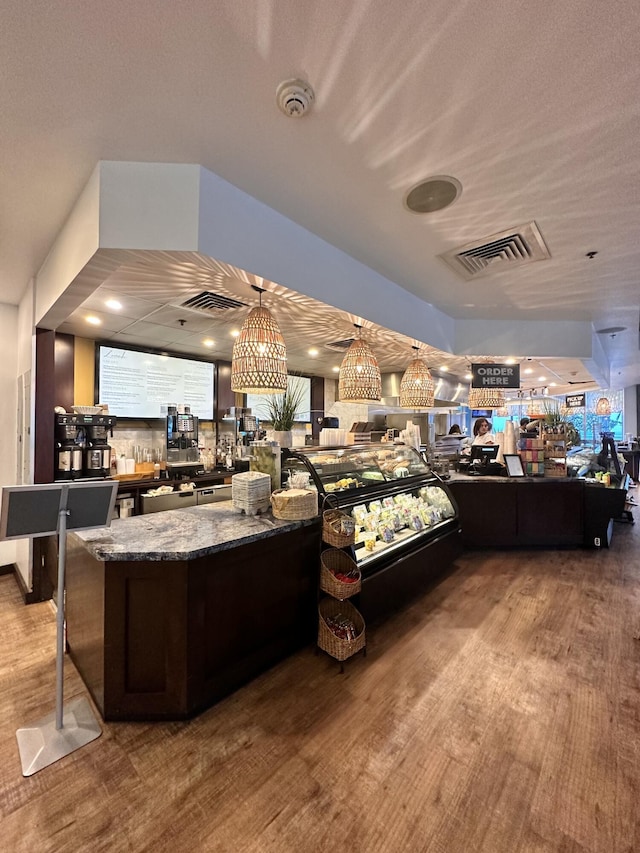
(359,380)
(603,406)
(486,398)
(417,385)
(259,360)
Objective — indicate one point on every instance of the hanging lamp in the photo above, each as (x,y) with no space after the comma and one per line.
(359,380)
(417,385)
(603,406)
(259,360)
(486,398)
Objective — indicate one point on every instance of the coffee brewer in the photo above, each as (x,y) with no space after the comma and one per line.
(70,443)
(82,450)
(97,453)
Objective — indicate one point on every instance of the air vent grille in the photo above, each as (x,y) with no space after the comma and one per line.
(498,252)
(340,345)
(208,301)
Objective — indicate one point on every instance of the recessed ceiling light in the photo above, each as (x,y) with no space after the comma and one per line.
(94,321)
(541,378)
(113,304)
(528,370)
(444,368)
(510,361)
(552,384)
(208,342)
(468,376)
(235,333)
(312,352)
(335,369)
(433,194)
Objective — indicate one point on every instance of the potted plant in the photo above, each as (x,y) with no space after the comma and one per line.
(282,410)
(553,417)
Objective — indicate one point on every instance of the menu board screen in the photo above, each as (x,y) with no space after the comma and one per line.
(142,384)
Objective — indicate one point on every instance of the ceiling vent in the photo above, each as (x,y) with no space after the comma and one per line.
(207,302)
(521,245)
(340,345)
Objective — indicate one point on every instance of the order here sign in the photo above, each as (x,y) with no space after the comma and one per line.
(495,375)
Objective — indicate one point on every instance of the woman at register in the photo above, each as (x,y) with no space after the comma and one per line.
(481,435)
(482,432)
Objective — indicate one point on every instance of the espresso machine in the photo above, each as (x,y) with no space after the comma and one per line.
(82,450)
(182,438)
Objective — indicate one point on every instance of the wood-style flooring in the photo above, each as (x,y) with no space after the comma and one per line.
(500,713)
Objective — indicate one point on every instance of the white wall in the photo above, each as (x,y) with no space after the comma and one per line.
(8,374)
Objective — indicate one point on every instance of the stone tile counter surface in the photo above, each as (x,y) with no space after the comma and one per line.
(181,534)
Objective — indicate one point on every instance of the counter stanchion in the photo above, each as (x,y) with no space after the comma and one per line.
(46,510)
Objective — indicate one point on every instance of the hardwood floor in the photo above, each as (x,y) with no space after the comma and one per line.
(499,713)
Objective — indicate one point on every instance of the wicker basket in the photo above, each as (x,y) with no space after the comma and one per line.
(294,507)
(333,560)
(339,648)
(331,529)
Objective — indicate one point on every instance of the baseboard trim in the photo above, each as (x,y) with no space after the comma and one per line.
(28,596)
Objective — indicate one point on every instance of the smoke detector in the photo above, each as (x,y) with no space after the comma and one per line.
(294,97)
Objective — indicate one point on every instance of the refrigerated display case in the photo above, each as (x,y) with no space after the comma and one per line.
(407,527)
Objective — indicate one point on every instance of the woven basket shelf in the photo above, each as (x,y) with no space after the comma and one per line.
(332,562)
(337,647)
(332,520)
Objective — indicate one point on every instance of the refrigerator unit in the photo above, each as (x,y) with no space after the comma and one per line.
(407,525)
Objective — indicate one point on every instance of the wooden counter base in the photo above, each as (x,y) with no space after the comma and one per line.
(165,639)
(499,513)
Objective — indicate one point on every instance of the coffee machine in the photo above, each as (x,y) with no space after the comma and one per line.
(181,436)
(97,453)
(71,440)
(82,450)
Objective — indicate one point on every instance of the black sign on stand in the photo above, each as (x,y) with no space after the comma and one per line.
(44,510)
(487,375)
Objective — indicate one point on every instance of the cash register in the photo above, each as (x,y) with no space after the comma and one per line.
(482,461)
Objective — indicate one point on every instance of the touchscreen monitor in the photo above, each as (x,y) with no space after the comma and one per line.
(484,452)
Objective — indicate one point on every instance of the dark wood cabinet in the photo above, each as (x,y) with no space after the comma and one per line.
(496,513)
(163,639)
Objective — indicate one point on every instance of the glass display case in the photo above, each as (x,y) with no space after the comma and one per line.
(398,505)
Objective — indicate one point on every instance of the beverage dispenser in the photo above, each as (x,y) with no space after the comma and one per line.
(82,450)
(97,454)
(181,436)
(70,444)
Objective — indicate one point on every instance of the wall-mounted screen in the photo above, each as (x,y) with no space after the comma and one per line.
(141,385)
(259,406)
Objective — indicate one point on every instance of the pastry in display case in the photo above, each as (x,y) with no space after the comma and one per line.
(398,505)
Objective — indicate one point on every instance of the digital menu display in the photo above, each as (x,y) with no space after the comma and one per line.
(142,384)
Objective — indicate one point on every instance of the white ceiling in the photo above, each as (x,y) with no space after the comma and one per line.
(533,107)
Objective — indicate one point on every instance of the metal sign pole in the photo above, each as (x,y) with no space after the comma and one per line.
(62,556)
(44,510)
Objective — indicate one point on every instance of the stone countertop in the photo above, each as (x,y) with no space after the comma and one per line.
(489,478)
(181,534)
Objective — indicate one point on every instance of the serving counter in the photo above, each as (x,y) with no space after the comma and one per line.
(500,512)
(169,612)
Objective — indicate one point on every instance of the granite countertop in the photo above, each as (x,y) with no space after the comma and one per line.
(181,534)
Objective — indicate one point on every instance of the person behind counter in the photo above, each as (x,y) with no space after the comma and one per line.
(481,435)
